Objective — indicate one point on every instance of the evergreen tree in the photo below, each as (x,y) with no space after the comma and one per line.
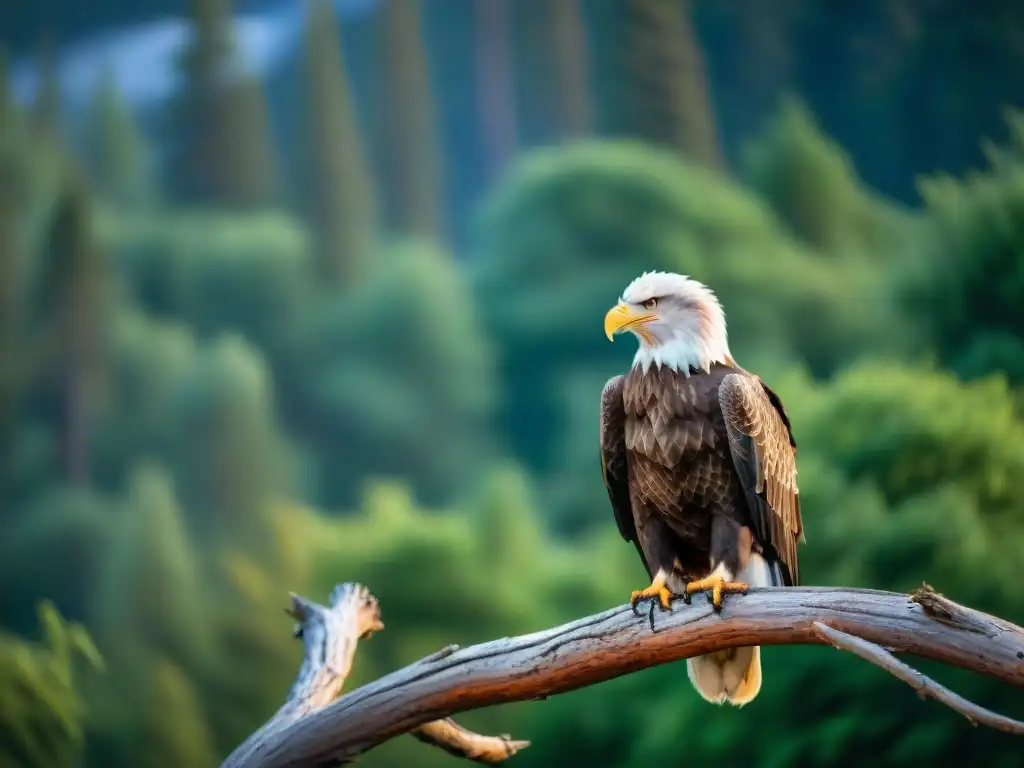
(148,588)
(10,269)
(46,110)
(552,38)
(409,151)
(756,52)
(655,83)
(495,84)
(810,183)
(226,154)
(116,145)
(6,98)
(228,448)
(339,191)
(73,301)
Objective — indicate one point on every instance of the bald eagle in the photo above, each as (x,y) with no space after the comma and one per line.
(699,461)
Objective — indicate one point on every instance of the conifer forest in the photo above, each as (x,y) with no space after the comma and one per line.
(294,293)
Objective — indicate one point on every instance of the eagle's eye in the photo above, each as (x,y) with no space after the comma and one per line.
(650,303)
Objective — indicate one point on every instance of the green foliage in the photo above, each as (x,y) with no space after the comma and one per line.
(7,108)
(405,126)
(46,109)
(810,182)
(653,86)
(244,273)
(922,430)
(228,446)
(74,528)
(224,155)
(964,289)
(176,732)
(339,194)
(41,712)
(149,360)
(146,591)
(403,380)
(116,147)
(153,717)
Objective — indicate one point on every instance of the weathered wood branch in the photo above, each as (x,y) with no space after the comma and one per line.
(920,682)
(418,698)
(329,636)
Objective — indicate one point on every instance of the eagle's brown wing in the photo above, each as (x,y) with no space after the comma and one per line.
(613,460)
(764,454)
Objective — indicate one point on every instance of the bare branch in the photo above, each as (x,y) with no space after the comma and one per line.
(453,738)
(617,642)
(924,685)
(330,635)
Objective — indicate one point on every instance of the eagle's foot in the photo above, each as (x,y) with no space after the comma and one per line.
(656,590)
(718,587)
(658,594)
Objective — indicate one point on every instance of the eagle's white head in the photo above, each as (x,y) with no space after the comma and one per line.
(677,320)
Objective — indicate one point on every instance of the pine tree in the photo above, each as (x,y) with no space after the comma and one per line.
(148,588)
(338,187)
(116,145)
(553,40)
(495,83)
(226,155)
(656,87)
(6,99)
(409,151)
(46,111)
(73,305)
(10,269)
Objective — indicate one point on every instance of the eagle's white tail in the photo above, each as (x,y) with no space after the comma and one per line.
(734,675)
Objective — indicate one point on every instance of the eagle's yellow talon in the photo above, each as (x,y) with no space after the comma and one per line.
(718,587)
(659,591)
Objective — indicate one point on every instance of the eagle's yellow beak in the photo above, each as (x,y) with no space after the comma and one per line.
(623,317)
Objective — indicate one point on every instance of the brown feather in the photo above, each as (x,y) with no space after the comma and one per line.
(681,451)
(613,460)
(753,418)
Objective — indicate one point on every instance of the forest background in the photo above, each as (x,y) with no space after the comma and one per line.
(298,293)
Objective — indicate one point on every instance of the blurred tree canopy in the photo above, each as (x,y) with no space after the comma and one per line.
(220,382)
(965,287)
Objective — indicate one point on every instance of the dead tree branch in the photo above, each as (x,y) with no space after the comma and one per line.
(330,635)
(920,682)
(420,697)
